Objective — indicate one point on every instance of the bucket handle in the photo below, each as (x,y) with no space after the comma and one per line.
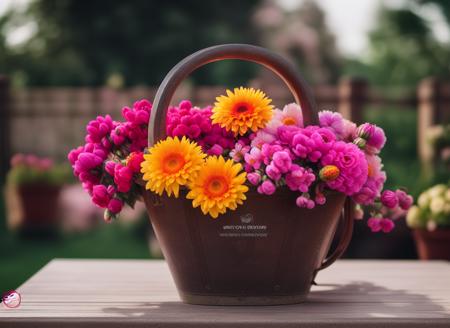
(279,65)
(345,237)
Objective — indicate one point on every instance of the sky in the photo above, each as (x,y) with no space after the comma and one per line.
(349,20)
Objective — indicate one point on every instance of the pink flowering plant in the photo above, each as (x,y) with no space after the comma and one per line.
(272,147)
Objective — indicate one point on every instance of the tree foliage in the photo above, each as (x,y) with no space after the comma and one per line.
(85,42)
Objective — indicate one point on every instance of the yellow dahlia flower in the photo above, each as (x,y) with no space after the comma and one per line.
(218,186)
(242,110)
(171,163)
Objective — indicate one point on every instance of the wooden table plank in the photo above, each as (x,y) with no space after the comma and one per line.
(135,293)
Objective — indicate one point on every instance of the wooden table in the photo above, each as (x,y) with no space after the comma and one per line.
(140,293)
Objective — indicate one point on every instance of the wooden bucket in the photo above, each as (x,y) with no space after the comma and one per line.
(268,250)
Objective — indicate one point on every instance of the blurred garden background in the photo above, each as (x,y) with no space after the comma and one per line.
(63,62)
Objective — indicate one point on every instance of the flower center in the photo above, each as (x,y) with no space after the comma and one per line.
(289,121)
(242,108)
(329,173)
(216,186)
(173,163)
(369,170)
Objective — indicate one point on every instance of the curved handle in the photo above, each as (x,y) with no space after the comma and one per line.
(346,235)
(286,71)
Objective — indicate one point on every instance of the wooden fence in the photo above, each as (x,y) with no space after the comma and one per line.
(51,121)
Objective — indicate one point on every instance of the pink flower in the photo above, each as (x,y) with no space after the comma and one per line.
(254,178)
(282,160)
(267,152)
(100,196)
(380,224)
(389,199)
(299,178)
(404,200)
(254,158)
(365,131)
(304,202)
(19,159)
(267,188)
(285,133)
(374,183)
(320,199)
(273,172)
(378,139)
(239,151)
(374,136)
(261,138)
(349,130)
(332,121)
(291,115)
(115,205)
(352,166)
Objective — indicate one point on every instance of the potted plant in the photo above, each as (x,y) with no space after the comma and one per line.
(244,197)
(32,189)
(430,221)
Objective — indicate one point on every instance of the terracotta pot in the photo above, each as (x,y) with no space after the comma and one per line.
(33,208)
(432,245)
(268,250)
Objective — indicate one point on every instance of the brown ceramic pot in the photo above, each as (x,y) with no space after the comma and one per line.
(268,250)
(432,245)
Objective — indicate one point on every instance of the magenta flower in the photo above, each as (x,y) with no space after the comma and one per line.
(195,123)
(285,133)
(115,205)
(123,177)
(100,196)
(304,202)
(215,150)
(404,200)
(266,188)
(87,161)
(380,224)
(134,161)
(332,121)
(365,131)
(378,139)
(389,199)
(352,166)
(299,178)
(254,178)
(282,161)
(273,172)
(374,183)
(320,199)
(99,128)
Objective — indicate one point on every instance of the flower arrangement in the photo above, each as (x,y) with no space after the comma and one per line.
(28,169)
(214,155)
(432,210)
